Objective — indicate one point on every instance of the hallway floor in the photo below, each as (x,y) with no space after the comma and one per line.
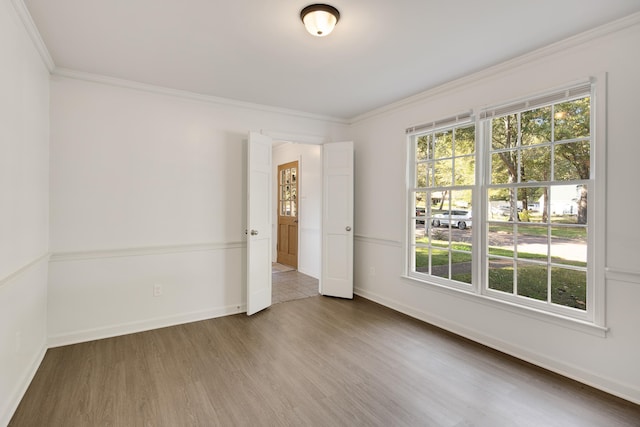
(292,285)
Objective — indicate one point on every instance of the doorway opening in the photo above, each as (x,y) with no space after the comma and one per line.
(287,282)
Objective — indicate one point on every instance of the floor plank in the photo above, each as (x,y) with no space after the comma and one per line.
(316,361)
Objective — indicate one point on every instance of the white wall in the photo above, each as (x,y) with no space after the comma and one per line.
(309,200)
(24,178)
(610,363)
(147,189)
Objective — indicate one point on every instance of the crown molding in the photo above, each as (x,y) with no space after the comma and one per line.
(161,90)
(34,34)
(505,66)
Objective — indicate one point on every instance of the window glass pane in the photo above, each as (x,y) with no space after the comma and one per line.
(440,263)
(569,245)
(500,238)
(465,141)
(282,176)
(423,147)
(535,164)
(293,175)
(531,201)
(465,170)
(499,204)
(283,210)
(569,287)
(420,230)
(442,173)
(504,132)
(504,167)
(572,119)
(533,242)
(501,274)
(443,143)
(420,200)
(422,260)
(511,207)
(421,175)
(461,267)
(568,204)
(294,211)
(572,161)
(287,176)
(536,126)
(461,200)
(532,280)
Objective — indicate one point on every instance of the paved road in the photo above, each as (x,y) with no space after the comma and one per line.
(569,249)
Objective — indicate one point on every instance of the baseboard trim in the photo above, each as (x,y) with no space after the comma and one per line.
(21,388)
(616,388)
(142,326)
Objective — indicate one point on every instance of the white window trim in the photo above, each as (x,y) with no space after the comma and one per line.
(451,122)
(593,319)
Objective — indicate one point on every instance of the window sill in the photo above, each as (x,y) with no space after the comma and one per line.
(543,316)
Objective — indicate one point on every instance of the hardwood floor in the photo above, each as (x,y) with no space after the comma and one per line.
(315,361)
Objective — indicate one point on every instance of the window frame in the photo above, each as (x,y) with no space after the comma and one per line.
(451,123)
(593,317)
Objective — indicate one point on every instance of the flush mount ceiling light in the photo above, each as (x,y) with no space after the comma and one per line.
(319,19)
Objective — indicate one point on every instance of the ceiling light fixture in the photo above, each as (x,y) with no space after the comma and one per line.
(319,19)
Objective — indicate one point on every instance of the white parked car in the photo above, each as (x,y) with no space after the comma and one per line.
(458,218)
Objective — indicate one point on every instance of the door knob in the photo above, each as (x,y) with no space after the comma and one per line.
(254,232)
(347,228)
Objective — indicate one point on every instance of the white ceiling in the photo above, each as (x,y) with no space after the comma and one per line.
(258,51)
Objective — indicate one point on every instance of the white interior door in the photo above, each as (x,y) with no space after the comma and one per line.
(258,223)
(337,220)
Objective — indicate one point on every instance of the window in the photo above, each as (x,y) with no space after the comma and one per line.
(442,199)
(506,212)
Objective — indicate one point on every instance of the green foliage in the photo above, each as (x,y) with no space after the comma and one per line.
(439,257)
(522,150)
(572,119)
(568,287)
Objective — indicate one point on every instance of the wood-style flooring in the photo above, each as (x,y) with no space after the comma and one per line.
(316,361)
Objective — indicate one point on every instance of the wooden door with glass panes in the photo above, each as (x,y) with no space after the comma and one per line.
(288,174)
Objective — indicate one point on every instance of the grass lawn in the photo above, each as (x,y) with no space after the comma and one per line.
(568,287)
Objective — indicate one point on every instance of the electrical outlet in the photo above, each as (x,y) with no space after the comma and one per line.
(157,290)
